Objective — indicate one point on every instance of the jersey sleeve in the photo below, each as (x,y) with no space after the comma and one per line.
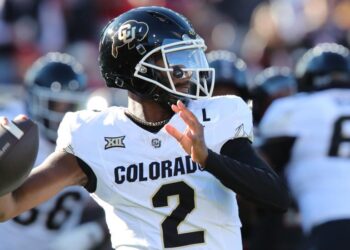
(70,140)
(73,130)
(64,139)
(235,120)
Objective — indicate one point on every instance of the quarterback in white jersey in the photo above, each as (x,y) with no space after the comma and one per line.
(147,183)
(316,127)
(165,169)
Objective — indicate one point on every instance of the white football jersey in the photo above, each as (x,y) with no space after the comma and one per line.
(36,228)
(319,169)
(153,194)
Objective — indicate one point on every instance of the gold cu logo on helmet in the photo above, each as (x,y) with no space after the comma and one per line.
(129,33)
(126,33)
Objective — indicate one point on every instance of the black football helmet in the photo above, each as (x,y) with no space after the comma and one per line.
(55,84)
(268,85)
(147,49)
(230,71)
(324,66)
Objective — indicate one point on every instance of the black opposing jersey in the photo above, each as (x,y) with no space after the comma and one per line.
(153,194)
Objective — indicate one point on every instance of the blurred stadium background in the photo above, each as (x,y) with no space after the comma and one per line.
(263,33)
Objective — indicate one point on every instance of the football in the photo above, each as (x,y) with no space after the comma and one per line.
(19,142)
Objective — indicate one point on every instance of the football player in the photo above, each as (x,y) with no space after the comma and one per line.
(166,169)
(54,84)
(310,133)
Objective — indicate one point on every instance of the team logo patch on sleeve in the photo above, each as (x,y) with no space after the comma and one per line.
(69,149)
(240,132)
(129,33)
(115,142)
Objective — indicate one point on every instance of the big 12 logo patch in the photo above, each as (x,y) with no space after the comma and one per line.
(128,33)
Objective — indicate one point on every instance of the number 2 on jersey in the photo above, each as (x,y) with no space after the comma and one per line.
(171,236)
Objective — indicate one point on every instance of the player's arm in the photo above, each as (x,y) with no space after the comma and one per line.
(59,170)
(241,169)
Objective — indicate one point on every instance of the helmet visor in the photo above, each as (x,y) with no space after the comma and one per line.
(188,66)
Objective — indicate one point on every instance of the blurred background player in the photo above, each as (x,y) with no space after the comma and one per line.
(315,127)
(230,74)
(271,231)
(54,84)
(270,84)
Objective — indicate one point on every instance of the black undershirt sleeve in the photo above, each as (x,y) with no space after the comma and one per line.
(240,169)
(277,150)
(91,184)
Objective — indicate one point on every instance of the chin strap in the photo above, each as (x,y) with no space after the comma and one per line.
(160,96)
(166,99)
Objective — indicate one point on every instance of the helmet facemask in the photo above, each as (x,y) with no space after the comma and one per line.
(179,70)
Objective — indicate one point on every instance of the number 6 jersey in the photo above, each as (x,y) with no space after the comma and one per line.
(153,194)
(318,172)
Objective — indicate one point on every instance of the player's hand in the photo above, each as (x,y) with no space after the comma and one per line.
(4,120)
(192,139)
